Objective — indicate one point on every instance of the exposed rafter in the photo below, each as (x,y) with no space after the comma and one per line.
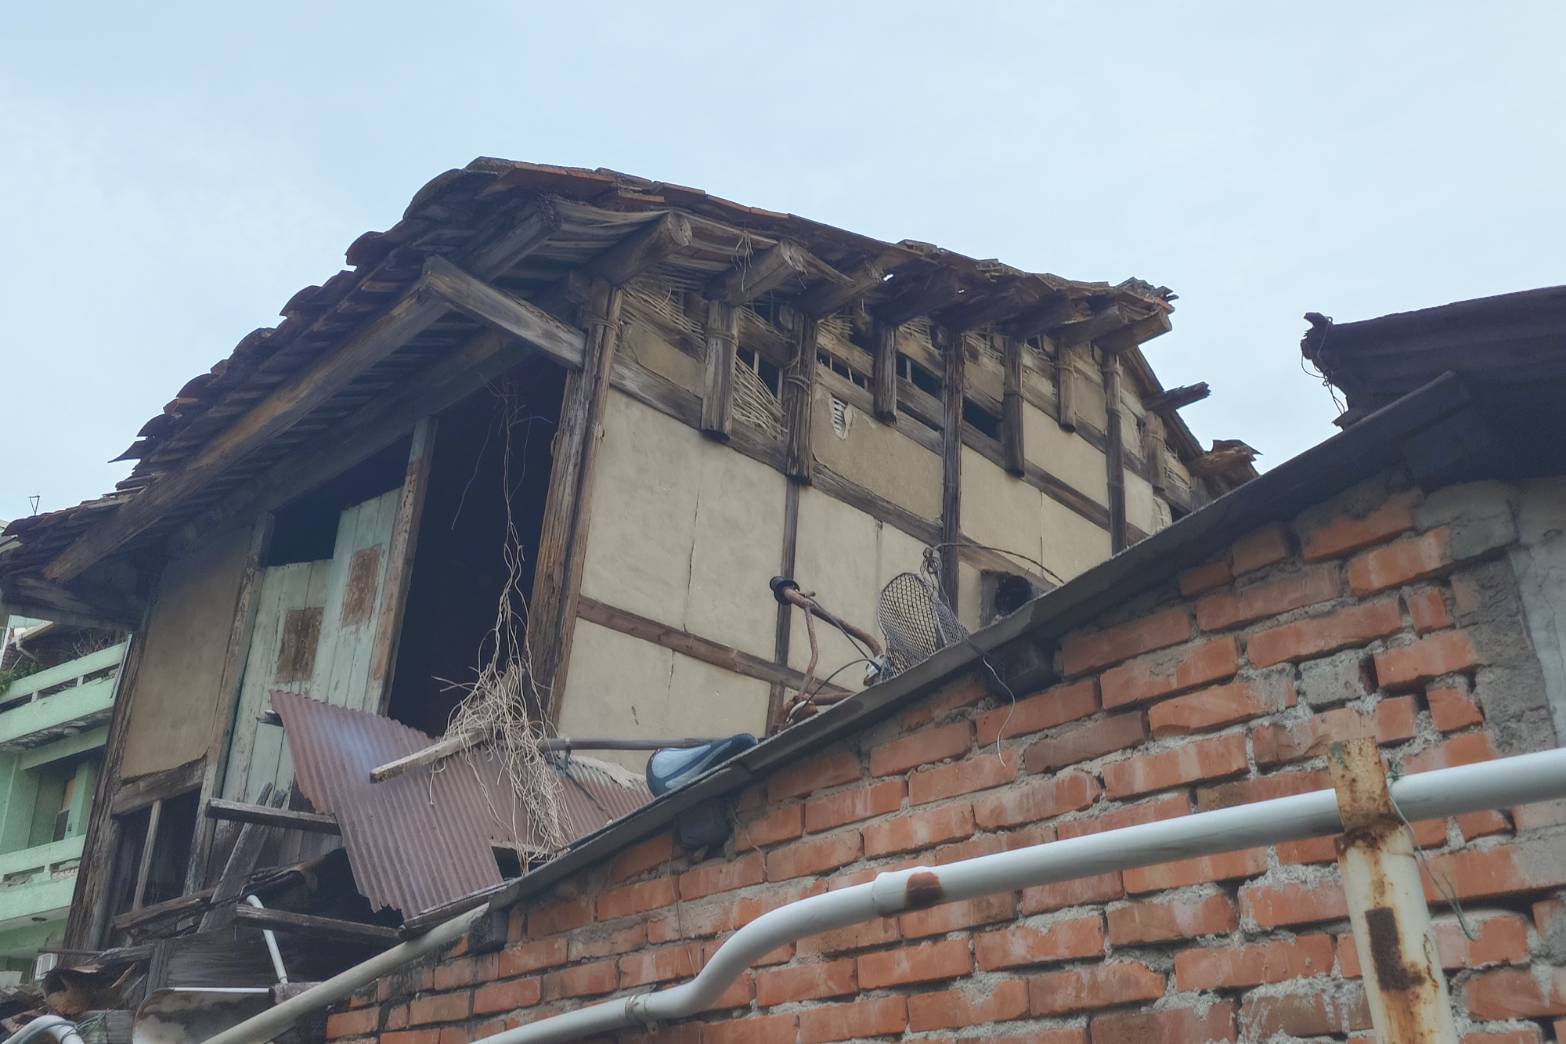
(521,319)
(928,294)
(1005,301)
(1136,332)
(1181,397)
(643,249)
(1053,311)
(1101,322)
(753,276)
(829,296)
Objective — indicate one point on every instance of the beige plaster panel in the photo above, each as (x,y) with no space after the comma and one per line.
(623,686)
(1072,544)
(998,509)
(1064,454)
(969,596)
(1144,508)
(684,530)
(178,686)
(877,457)
(649,347)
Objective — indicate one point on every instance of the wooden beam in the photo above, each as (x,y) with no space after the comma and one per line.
(1155,452)
(1011,407)
(828,296)
(333,928)
(1049,313)
(934,291)
(562,542)
(782,628)
(717,397)
(441,749)
(1005,301)
(755,275)
(1082,331)
(687,644)
(1179,398)
(951,460)
(642,249)
(1134,333)
(241,860)
(799,382)
(149,845)
(287,819)
(1067,394)
(156,786)
(521,319)
(532,230)
(885,372)
(399,559)
(1114,453)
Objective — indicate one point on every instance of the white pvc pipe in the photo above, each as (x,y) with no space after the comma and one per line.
(274,1020)
(271,945)
(1502,783)
(62,1030)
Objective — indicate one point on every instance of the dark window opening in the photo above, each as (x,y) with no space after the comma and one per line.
(168,826)
(305,529)
(459,566)
(1003,593)
(770,375)
(981,419)
(842,369)
(926,380)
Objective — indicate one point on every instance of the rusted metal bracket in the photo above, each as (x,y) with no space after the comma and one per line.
(1386,900)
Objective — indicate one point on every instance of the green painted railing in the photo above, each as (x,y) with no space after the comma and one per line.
(59,695)
(40,857)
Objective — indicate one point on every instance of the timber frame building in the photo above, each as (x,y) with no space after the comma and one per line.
(664,398)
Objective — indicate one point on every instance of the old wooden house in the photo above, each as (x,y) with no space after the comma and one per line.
(629,403)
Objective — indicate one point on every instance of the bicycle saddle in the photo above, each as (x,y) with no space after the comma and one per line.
(676,766)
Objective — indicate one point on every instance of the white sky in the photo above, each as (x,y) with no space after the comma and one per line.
(171,173)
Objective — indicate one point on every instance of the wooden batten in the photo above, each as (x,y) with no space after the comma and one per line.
(642,249)
(1134,333)
(531,230)
(885,372)
(951,459)
(1067,394)
(265,815)
(1155,452)
(1114,453)
(562,542)
(1011,407)
(799,383)
(1110,317)
(930,293)
(717,398)
(1008,301)
(830,296)
(1179,398)
(399,563)
(787,557)
(332,928)
(521,319)
(756,275)
(1055,310)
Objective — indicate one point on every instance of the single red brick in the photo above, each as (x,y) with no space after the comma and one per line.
(1105,985)
(1174,670)
(1470,748)
(425,1036)
(1488,823)
(1408,665)
(1348,533)
(1205,577)
(1166,806)
(813,855)
(1516,993)
(921,748)
(1392,721)
(637,859)
(962,693)
(879,932)
(923,963)
(1501,939)
(782,823)
(1013,947)
(853,804)
(443,1007)
(1258,548)
(805,982)
(671,962)
(1318,635)
(955,1009)
(690,921)
(916,830)
(722,876)
(817,773)
(1511,1036)
(1163,920)
(1090,740)
(635,898)
(1225,866)
(1049,708)
(879,1017)
(1274,903)
(1530,864)
(752,1029)
(1252,964)
(1186,763)
(532,956)
(1079,891)
(951,917)
(1173,1025)
(449,975)
(1427,608)
(1208,709)
(1085,651)
(509,995)
(1401,562)
(605,942)
(979,772)
(1035,800)
(1261,788)
(562,915)
(1451,708)
(366,1021)
(1274,597)
(1319,1012)
(582,980)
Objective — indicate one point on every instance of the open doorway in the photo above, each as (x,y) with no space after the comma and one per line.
(459,565)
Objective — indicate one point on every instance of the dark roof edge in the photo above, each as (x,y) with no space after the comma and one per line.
(1365,448)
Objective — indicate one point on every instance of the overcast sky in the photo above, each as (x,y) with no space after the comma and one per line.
(171,173)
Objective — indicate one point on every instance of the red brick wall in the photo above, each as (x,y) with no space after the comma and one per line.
(1386,614)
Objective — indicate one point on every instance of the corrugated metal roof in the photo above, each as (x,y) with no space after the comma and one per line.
(423,838)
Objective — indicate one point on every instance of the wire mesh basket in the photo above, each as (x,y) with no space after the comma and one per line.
(916,621)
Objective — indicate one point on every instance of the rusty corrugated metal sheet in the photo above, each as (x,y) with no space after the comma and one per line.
(423,838)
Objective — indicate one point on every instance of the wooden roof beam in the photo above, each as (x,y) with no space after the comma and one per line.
(521,319)
(1006,301)
(1136,332)
(829,296)
(757,274)
(1057,309)
(935,291)
(1179,398)
(1093,327)
(643,249)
